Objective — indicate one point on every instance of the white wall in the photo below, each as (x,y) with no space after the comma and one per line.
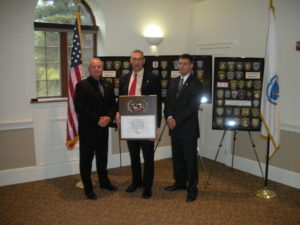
(288,18)
(246,22)
(17,72)
(123,23)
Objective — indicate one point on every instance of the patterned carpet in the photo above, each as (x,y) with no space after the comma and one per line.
(229,200)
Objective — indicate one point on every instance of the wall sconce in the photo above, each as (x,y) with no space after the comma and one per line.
(153,35)
(154,40)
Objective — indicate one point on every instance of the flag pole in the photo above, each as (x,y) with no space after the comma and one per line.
(79,184)
(78,16)
(266,193)
(71,143)
(267,161)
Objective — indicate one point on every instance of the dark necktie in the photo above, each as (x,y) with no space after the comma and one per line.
(133,85)
(101,89)
(180,86)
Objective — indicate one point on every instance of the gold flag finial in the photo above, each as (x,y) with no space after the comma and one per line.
(78,5)
(271,6)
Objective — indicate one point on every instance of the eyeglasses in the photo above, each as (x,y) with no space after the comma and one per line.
(137,59)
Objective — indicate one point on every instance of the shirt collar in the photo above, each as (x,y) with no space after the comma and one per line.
(185,77)
(139,74)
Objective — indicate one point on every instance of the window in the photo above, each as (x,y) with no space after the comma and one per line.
(54,23)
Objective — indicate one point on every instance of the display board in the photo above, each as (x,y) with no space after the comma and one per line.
(237,93)
(166,67)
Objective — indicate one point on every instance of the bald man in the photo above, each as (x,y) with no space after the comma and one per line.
(95,105)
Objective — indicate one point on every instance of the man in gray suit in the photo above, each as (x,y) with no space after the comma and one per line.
(181,114)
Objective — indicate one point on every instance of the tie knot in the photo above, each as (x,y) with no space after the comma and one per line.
(135,75)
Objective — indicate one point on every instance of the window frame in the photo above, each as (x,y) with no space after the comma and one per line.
(63,30)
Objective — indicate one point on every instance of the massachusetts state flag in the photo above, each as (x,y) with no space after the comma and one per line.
(73,78)
(270,93)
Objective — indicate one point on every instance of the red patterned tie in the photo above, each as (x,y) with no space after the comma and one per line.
(133,85)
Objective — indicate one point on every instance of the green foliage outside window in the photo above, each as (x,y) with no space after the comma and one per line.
(60,11)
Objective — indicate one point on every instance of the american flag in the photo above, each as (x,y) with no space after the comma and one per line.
(73,78)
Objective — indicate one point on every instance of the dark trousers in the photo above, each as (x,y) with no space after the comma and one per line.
(88,147)
(148,154)
(184,156)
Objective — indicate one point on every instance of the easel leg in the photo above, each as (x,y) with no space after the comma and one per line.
(220,145)
(233,149)
(255,152)
(120,148)
(160,135)
(253,147)
(202,163)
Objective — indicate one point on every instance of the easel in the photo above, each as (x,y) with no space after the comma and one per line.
(233,150)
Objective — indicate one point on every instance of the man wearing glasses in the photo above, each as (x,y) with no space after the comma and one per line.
(141,82)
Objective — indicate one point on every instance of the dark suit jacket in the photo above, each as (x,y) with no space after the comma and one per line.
(184,107)
(90,104)
(150,86)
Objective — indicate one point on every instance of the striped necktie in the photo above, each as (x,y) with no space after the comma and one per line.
(180,86)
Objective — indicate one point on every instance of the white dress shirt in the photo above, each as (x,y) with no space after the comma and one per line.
(138,90)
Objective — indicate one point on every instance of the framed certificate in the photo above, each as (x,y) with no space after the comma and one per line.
(138,117)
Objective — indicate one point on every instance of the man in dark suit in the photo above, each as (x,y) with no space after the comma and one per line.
(181,114)
(95,105)
(140,82)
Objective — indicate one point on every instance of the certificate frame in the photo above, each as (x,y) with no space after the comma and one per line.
(138,116)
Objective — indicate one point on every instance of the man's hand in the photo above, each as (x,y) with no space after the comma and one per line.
(104,121)
(171,123)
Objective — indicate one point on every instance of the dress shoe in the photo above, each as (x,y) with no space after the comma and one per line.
(174,187)
(147,193)
(109,187)
(192,195)
(132,188)
(191,198)
(91,195)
